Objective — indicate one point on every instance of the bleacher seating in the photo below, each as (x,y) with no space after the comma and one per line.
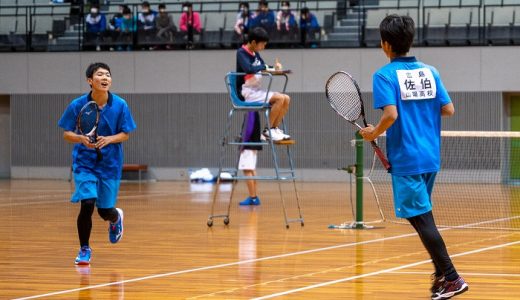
(438,22)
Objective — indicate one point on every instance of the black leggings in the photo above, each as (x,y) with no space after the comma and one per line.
(432,240)
(84,221)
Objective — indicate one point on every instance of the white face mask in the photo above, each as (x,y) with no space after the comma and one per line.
(93,11)
(285,8)
(185,9)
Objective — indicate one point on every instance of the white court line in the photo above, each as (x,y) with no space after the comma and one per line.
(379,272)
(465,273)
(218,266)
(232,264)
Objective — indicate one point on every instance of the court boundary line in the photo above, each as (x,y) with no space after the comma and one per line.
(462,273)
(236,263)
(390,270)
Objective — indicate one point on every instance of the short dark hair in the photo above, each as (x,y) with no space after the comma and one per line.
(93,67)
(145,4)
(187,4)
(162,6)
(244,4)
(398,31)
(304,10)
(127,10)
(263,3)
(258,34)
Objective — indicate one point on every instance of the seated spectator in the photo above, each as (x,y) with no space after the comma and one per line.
(264,17)
(309,28)
(146,23)
(114,24)
(286,25)
(96,25)
(242,23)
(189,24)
(128,28)
(165,27)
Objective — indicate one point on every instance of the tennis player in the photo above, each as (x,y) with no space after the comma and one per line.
(413,99)
(97,182)
(250,87)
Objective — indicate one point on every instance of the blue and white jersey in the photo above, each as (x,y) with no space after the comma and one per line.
(413,141)
(115,117)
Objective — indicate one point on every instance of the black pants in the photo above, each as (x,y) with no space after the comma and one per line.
(432,240)
(84,221)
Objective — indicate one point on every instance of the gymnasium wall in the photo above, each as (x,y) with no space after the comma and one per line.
(179,102)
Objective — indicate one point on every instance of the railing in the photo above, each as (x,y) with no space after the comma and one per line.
(348,23)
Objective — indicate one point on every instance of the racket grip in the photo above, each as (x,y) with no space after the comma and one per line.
(381,155)
(99,156)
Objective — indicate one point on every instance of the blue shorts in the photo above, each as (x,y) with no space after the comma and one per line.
(88,186)
(412,194)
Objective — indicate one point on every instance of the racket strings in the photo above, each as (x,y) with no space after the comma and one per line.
(344,96)
(88,120)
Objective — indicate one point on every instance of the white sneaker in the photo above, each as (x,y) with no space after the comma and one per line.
(275,135)
(285,136)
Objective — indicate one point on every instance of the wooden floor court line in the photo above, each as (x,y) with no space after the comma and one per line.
(463,273)
(372,262)
(219,266)
(262,259)
(379,272)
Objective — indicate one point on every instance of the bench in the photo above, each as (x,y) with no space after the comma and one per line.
(135,168)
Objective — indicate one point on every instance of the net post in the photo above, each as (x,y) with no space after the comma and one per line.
(359,181)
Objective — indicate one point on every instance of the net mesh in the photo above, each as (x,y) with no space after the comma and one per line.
(343,96)
(478,185)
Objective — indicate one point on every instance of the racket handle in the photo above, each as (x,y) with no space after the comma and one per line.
(381,155)
(99,155)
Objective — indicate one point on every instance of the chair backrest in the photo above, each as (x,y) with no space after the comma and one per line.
(236,100)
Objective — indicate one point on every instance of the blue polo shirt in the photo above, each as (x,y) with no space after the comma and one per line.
(115,117)
(413,141)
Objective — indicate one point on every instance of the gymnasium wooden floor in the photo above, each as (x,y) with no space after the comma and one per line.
(168,252)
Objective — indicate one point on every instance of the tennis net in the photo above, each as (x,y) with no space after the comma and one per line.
(478,185)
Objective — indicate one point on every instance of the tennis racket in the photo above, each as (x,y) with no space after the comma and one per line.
(344,96)
(88,119)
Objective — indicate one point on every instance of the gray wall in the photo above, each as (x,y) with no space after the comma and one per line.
(5,145)
(462,68)
(180,131)
(179,102)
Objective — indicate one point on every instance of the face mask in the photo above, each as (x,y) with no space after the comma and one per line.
(146,10)
(185,9)
(93,11)
(285,8)
(162,11)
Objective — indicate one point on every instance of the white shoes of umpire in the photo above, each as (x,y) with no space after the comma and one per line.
(276,134)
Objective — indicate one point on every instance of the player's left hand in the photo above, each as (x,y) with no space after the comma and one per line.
(368,133)
(103,141)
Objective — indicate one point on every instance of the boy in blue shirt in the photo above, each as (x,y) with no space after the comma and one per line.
(97,182)
(413,99)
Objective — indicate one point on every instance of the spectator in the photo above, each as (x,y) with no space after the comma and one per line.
(114,24)
(189,24)
(243,22)
(309,28)
(146,23)
(264,17)
(165,27)
(96,25)
(128,27)
(286,25)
